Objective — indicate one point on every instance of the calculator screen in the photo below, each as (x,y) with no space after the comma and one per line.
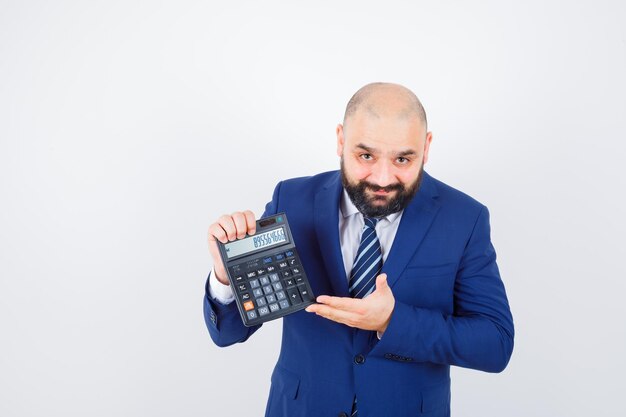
(257,242)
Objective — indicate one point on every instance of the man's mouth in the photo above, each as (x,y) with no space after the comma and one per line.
(381,192)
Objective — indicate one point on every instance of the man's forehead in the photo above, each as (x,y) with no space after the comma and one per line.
(385,135)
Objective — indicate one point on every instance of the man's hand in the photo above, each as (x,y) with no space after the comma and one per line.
(370,313)
(226,229)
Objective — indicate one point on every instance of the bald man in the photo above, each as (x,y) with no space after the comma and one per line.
(403,265)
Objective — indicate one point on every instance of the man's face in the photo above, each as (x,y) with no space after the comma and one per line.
(382,160)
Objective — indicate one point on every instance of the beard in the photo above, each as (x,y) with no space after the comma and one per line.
(367,205)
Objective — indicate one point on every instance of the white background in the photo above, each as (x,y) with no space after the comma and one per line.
(127,127)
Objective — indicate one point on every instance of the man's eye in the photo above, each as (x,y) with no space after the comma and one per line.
(366,156)
(402,160)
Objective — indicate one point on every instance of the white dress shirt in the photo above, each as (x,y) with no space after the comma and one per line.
(350,229)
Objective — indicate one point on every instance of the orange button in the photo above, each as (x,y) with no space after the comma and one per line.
(248,305)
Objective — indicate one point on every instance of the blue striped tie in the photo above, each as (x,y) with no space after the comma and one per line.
(368,261)
(367,265)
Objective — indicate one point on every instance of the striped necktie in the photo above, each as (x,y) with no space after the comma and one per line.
(368,261)
(367,266)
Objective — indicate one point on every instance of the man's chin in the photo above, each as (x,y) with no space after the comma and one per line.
(379,202)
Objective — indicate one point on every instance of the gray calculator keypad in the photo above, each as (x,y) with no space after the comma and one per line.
(270,284)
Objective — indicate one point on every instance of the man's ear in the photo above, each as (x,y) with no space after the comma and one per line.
(340,140)
(429,138)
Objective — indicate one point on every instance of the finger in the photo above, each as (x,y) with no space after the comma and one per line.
(342,303)
(214,251)
(217,232)
(228,225)
(240,224)
(250,221)
(333,314)
(381,282)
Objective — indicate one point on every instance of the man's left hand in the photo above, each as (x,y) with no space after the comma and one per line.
(370,313)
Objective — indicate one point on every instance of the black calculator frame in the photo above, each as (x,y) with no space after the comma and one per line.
(263,225)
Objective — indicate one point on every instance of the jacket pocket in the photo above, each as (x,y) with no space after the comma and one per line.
(435,397)
(285,382)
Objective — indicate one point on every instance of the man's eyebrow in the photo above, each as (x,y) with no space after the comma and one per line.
(407,152)
(366,148)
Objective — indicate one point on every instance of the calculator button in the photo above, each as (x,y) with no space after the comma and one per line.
(279,257)
(286,273)
(251,274)
(282,264)
(252,315)
(284,304)
(264,280)
(260,271)
(304,292)
(289,283)
(271,268)
(268,289)
(277,286)
(261,301)
(280,295)
(296,270)
(264,311)
(254,283)
(248,305)
(267,260)
(257,292)
(299,280)
(274,307)
(293,262)
(274,277)
(239,278)
(245,296)
(289,253)
(294,296)
(242,287)
(271,298)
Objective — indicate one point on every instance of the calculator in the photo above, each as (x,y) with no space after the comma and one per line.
(265,272)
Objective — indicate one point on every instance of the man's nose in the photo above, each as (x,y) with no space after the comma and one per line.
(382,174)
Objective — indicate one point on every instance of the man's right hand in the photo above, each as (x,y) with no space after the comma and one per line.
(226,229)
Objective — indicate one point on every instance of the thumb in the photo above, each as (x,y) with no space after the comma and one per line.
(381,282)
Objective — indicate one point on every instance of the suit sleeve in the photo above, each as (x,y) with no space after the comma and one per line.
(223,321)
(478,335)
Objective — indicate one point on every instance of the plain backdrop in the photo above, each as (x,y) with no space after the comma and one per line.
(127,127)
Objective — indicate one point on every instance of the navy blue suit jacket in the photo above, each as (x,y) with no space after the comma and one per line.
(451,308)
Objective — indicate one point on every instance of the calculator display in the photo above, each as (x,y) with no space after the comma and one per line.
(253,243)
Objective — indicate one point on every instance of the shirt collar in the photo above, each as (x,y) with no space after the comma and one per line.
(349,209)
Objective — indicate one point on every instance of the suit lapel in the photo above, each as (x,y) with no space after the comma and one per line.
(414,225)
(327,229)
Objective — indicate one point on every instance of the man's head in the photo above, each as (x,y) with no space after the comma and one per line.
(383,145)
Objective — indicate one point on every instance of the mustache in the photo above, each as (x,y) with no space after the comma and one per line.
(387,188)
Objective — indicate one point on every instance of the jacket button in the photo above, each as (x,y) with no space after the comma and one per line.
(359,359)
(343,414)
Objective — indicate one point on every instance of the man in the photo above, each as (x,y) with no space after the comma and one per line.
(403,266)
